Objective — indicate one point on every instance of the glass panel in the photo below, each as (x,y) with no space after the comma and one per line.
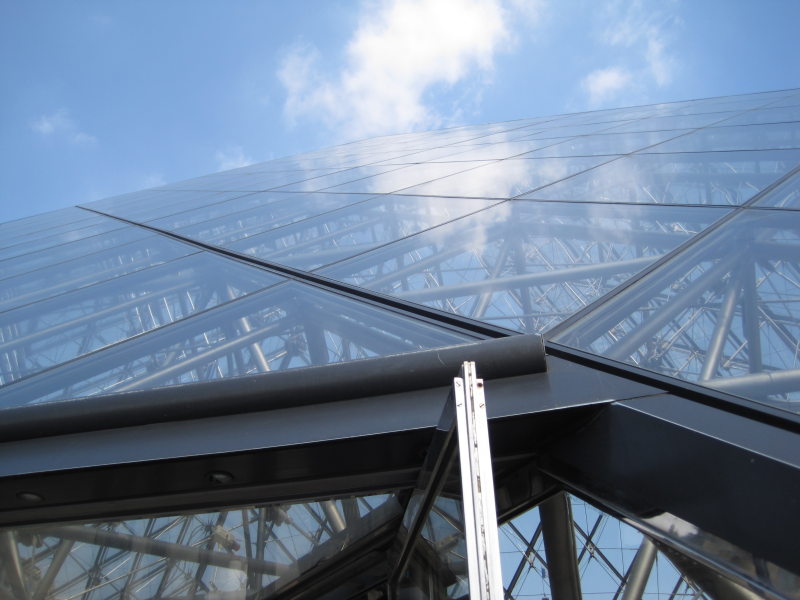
(338,178)
(449,153)
(507,178)
(606,551)
(343,233)
(50,332)
(288,326)
(608,143)
(525,265)
(43,221)
(16,238)
(46,257)
(783,114)
(438,567)
(563,129)
(95,265)
(84,229)
(151,204)
(497,151)
(399,179)
(786,195)
(724,313)
(692,178)
(744,137)
(690,121)
(252,180)
(243,552)
(268,211)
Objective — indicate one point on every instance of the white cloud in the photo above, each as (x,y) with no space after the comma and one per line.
(59,124)
(232,157)
(153,180)
(643,31)
(603,84)
(398,55)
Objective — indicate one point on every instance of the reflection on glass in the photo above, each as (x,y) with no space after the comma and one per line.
(525,265)
(283,327)
(28,225)
(724,313)
(786,195)
(438,568)
(151,204)
(507,178)
(77,250)
(608,143)
(235,553)
(46,230)
(351,230)
(725,178)
(744,137)
(263,212)
(50,332)
(41,240)
(407,176)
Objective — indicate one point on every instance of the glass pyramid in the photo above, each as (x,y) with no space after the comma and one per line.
(662,239)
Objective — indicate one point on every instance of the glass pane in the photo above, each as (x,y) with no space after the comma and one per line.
(507,178)
(341,177)
(151,204)
(288,326)
(83,229)
(46,257)
(563,129)
(267,211)
(609,143)
(242,552)
(744,137)
(439,563)
(784,114)
(726,178)
(96,264)
(606,549)
(786,195)
(689,121)
(525,265)
(343,233)
(43,221)
(16,238)
(43,334)
(405,177)
(724,313)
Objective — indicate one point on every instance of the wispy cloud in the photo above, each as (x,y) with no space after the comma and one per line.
(153,180)
(400,53)
(60,124)
(603,84)
(232,157)
(642,31)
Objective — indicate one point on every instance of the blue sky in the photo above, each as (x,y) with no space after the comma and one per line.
(106,97)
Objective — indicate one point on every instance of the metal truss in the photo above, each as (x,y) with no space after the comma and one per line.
(714,316)
(525,265)
(214,555)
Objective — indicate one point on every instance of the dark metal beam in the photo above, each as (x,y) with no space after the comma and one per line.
(505,357)
(657,459)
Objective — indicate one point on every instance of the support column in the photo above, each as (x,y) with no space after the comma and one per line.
(639,572)
(559,546)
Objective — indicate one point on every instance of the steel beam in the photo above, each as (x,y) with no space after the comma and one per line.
(559,547)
